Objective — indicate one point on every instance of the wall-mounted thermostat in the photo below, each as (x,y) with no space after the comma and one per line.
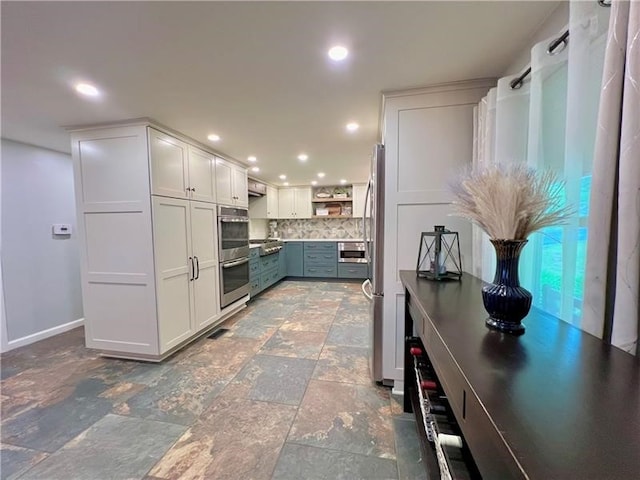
(62,229)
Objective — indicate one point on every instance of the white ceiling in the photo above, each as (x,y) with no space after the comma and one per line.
(256,73)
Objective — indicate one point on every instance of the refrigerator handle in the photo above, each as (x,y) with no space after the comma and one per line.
(367,198)
(366,293)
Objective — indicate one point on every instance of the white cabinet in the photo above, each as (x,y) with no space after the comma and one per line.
(294,202)
(149,266)
(180,170)
(231,184)
(265,206)
(359,201)
(186,268)
(272,202)
(428,138)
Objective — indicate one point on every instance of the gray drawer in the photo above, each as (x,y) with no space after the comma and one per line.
(269,262)
(269,278)
(320,258)
(254,287)
(313,247)
(254,268)
(254,252)
(321,271)
(352,270)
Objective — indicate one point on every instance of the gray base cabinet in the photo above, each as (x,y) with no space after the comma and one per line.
(320,259)
(294,259)
(353,270)
(265,271)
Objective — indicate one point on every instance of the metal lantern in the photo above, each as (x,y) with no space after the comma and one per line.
(439,255)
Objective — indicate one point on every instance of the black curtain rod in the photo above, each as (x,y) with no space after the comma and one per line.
(517,82)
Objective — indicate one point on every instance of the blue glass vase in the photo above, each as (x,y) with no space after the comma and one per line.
(505,300)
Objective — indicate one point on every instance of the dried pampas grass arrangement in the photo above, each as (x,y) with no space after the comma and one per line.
(510,202)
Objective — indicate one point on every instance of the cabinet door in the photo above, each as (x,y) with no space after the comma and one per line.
(294,259)
(272,202)
(286,203)
(282,263)
(202,175)
(205,283)
(224,182)
(240,190)
(169,165)
(303,202)
(172,249)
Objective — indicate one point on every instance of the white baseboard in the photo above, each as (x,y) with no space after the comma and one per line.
(34,337)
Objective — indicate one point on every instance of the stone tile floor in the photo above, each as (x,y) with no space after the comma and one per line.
(284,394)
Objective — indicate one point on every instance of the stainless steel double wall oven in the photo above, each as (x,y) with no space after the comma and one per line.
(233,242)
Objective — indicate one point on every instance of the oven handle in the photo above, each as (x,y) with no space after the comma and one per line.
(236,263)
(233,220)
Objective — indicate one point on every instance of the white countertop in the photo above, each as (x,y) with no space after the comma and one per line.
(322,240)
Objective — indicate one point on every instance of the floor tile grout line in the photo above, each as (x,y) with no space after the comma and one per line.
(293,442)
(295,417)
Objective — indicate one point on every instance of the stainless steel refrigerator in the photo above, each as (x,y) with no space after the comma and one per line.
(373,229)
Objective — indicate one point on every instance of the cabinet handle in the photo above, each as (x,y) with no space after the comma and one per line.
(191,272)
(193,189)
(197,275)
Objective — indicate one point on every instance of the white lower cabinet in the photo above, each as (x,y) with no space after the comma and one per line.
(204,244)
(149,264)
(186,268)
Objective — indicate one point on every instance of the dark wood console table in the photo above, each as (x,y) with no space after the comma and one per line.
(554,403)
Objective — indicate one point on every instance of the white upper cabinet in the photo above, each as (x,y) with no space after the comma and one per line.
(180,170)
(240,186)
(224,182)
(169,165)
(265,206)
(231,184)
(202,175)
(294,202)
(272,202)
(359,200)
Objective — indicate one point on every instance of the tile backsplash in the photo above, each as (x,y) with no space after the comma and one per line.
(320,228)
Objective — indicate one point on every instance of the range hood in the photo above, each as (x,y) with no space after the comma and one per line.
(256,188)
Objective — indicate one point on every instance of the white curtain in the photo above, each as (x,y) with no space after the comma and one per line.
(550,122)
(613,262)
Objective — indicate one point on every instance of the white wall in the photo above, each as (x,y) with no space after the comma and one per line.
(556,23)
(40,271)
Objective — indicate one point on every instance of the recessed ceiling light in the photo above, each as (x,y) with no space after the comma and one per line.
(338,53)
(214,138)
(255,169)
(286,184)
(303,157)
(343,181)
(352,127)
(87,89)
(283,177)
(252,158)
(314,182)
(321,175)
